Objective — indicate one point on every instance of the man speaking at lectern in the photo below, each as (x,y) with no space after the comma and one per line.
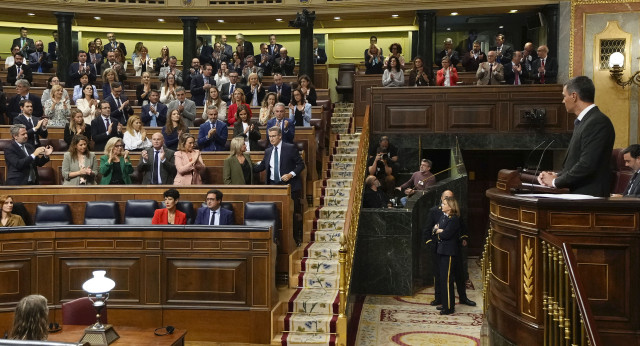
(586,166)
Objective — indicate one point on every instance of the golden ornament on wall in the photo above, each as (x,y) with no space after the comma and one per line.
(528,273)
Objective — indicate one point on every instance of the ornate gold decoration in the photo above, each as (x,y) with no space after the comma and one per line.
(188,3)
(528,273)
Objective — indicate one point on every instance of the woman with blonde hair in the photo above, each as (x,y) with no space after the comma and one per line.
(8,219)
(163,60)
(238,168)
(135,136)
(31,319)
(188,161)
(266,111)
(168,90)
(143,90)
(115,164)
(447,231)
(57,107)
(255,90)
(213,99)
(109,76)
(77,126)
(79,166)
(238,99)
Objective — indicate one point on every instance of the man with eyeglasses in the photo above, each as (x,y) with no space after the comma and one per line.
(213,214)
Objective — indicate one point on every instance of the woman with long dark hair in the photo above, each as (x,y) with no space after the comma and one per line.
(31,319)
(79,166)
(393,76)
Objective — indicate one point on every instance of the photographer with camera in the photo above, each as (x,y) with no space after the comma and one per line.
(383,163)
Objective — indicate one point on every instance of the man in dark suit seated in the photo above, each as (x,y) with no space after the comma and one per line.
(283,90)
(154,113)
(201,83)
(213,134)
(120,108)
(226,92)
(40,61)
(283,165)
(22,158)
(319,54)
(35,126)
(213,214)
(81,68)
(104,127)
(157,163)
(284,64)
(545,69)
(26,44)
(586,165)
(514,72)
(113,45)
(19,70)
(287,128)
(631,157)
(22,93)
(53,46)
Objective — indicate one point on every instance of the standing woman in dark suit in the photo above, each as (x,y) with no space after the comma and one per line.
(246,129)
(76,126)
(448,230)
(238,168)
(115,165)
(170,215)
(144,89)
(308,90)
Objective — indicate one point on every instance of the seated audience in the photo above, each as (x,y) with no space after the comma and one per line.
(79,165)
(238,168)
(162,60)
(393,75)
(40,61)
(419,181)
(46,93)
(236,63)
(189,164)
(81,68)
(213,99)
(238,100)
(373,196)
(249,68)
(157,164)
(22,158)
(173,69)
(418,76)
(8,219)
(170,215)
(136,50)
(631,157)
(448,52)
(109,76)
(78,90)
(121,59)
(266,111)
(19,70)
(154,113)
(284,64)
(115,164)
(227,89)
(472,59)
(374,62)
(490,72)
(287,127)
(308,90)
(300,110)
(135,135)
(185,107)
(395,50)
(77,126)
(95,56)
(22,93)
(319,54)
(213,214)
(545,69)
(88,104)
(254,91)
(10,60)
(222,77)
(201,84)
(174,128)
(104,127)
(282,90)
(143,62)
(213,134)
(514,72)
(31,319)
(246,129)
(144,88)
(57,108)
(115,64)
(36,127)
(120,107)
(168,90)
(447,75)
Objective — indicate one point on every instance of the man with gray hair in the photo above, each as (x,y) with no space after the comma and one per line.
(449,52)
(22,158)
(22,93)
(247,47)
(185,107)
(213,134)
(490,72)
(286,126)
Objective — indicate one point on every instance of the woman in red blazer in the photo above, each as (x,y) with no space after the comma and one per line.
(170,215)
(447,71)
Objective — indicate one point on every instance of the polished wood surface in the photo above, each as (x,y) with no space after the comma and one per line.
(128,336)
(604,235)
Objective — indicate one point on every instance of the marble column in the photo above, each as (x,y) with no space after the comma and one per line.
(551,15)
(189,27)
(426,32)
(65,41)
(305,21)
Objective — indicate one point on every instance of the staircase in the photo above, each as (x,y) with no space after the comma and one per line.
(312,311)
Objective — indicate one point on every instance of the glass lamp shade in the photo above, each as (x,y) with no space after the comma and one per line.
(99,283)
(616,58)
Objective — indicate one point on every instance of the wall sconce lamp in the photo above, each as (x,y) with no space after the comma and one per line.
(616,67)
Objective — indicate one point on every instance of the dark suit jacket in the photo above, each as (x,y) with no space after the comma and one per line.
(74,75)
(109,47)
(217,142)
(290,161)
(470,63)
(161,217)
(122,115)
(197,89)
(633,188)
(254,136)
(322,57)
(161,119)
(13,110)
(167,168)
(34,135)
(248,48)
(286,68)
(31,46)
(266,66)
(19,164)
(448,240)
(510,76)
(46,64)
(12,74)
(454,58)
(99,132)
(249,95)
(287,133)
(274,51)
(550,71)
(224,91)
(285,93)
(205,55)
(52,50)
(226,216)
(586,165)
(507,53)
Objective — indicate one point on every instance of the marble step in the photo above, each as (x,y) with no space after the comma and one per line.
(314,301)
(307,323)
(322,251)
(331,213)
(305,339)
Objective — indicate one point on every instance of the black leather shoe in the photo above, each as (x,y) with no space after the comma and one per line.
(435,303)
(439,307)
(447,311)
(467,301)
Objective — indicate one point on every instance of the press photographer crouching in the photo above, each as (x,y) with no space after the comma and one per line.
(383,163)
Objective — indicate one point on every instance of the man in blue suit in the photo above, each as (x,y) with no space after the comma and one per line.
(287,127)
(283,90)
(212,135)
(212,214)
(154,113)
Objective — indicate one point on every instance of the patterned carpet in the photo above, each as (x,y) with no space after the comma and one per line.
(387,320)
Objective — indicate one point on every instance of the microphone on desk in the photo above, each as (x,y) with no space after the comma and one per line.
(541,156)
(526,162)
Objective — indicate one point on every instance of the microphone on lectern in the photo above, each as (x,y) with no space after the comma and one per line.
(542,155)
(526,162)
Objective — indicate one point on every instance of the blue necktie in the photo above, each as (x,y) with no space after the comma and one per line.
(154,122)
(212,220)
(276,165)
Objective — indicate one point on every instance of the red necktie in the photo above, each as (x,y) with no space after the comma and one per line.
(542,74)
(517,81)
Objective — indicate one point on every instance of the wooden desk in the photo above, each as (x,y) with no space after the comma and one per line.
(128,336)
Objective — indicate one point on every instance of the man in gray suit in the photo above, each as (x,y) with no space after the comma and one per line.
(490,72)
(157,164)
(172,68)
(186,107)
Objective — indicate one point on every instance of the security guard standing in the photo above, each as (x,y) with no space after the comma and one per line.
(448,231)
